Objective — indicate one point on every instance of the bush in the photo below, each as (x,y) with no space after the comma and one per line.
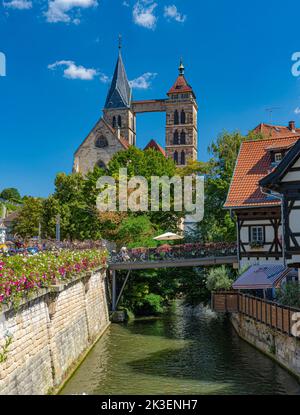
(219,278)
(289,294)
(152,304)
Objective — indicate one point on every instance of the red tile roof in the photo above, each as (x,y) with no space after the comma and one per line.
(153,144)
(180,85)
(276,131)
(254,163)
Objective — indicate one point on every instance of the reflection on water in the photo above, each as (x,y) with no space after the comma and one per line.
(180,353)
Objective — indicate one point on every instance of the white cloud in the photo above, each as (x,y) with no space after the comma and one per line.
(143,81)
(104,78)
(143,14)
(297,111)
(60,10)
(18,4)
(171,13)
(72,71)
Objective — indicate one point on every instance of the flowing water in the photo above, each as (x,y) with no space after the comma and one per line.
(181,353)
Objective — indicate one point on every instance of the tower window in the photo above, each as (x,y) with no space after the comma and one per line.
(175,157)
(182,158)
(114,122)
(176,138)
(182,137)
(182,117)
(176,117)
(101,142)
(119,121)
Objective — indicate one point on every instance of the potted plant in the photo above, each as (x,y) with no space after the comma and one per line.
(256,244)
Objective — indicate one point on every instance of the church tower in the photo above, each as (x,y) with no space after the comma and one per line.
(117,110)
(181,121)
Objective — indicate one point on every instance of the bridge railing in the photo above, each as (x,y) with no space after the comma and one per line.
(270,313)
(174,252)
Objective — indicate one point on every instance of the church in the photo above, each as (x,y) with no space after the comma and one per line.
(116,129)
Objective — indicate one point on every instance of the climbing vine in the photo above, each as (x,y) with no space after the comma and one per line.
(5,348)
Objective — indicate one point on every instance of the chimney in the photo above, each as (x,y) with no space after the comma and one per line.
(292,126)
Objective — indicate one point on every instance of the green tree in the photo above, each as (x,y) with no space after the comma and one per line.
(78,215)
(27,223)
(147,164)
(219,278)
(218,225)
(136,231)
(11,194)
(289,294)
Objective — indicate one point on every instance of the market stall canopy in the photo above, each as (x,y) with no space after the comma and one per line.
(168,236)
(261,277)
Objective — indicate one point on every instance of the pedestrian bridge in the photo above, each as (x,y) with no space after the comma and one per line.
(168,256)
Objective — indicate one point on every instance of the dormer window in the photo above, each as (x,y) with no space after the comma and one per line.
(277,157)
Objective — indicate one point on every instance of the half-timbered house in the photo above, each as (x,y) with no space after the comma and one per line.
(258,212)
(284,182)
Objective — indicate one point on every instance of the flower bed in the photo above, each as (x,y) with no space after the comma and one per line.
(22,275)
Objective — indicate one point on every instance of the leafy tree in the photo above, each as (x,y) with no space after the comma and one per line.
(78,217)
(11,194)
(219,278)
(217,224)
(148,292)
(27,223)
(136,231)
(147,164)
(193,285)
(289,294)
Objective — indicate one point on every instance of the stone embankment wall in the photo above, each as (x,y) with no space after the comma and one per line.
(50,334)
(281,347)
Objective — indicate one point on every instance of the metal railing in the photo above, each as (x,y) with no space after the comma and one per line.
(173,252)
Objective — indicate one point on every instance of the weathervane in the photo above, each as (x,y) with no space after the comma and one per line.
(120,42)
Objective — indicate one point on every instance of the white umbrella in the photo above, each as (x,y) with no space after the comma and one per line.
(168,236)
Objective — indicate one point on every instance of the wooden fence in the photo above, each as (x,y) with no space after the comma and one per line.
(272,314)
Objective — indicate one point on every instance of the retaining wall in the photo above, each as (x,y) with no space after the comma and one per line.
(283,348)
(50,333)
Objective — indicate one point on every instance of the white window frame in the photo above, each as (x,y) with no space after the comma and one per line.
(257,234)
(279,155)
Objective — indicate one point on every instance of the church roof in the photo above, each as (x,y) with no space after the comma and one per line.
(180,85)
(153,144)
(119,94)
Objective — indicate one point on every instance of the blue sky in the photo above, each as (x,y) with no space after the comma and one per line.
(61,53)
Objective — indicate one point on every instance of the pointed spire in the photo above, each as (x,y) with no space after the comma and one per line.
(119,94)
(120,42)
(181,67)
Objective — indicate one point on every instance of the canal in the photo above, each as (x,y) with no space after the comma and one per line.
(182,353)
